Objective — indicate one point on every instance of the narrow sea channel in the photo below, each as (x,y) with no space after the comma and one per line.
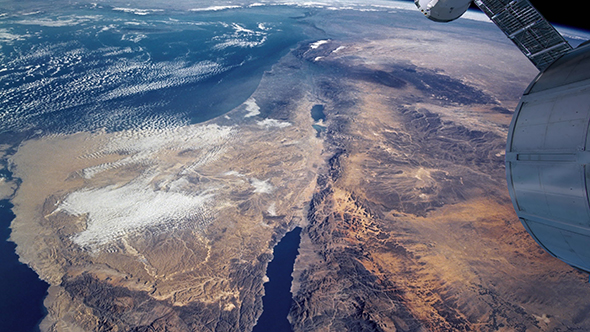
(21,290)
(278,298)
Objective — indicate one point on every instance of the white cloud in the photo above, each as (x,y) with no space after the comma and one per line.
(142,146)
(251,107)
(261,187)
(318,44)
(8,36)
(273,123)
(114,212)
(213,8)
(138,11)
(237,42)
(272,210)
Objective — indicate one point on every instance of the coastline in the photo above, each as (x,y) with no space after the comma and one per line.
(255,197)
(22,291)
(51,168)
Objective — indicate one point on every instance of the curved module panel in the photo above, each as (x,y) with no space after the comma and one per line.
(548,159)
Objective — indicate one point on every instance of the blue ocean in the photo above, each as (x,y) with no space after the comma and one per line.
(90,67)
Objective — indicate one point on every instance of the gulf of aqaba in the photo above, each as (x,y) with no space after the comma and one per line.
(155,154)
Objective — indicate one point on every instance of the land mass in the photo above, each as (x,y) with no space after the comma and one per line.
(399,188)
(167,228)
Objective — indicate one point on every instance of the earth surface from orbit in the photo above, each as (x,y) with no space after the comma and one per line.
(154,154)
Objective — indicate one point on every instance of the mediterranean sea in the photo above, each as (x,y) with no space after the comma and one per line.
(98,67)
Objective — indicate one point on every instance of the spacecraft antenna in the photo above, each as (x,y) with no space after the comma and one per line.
(548,147)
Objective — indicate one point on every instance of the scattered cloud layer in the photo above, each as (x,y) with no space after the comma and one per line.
(161,198)
(143,146)
(114,212)
(242,37)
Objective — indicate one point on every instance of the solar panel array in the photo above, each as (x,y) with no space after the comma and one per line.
(527,28)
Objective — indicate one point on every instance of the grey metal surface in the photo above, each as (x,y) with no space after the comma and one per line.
(443,10)
(527,28)
(548,158)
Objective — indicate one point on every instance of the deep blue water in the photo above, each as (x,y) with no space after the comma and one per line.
(317,112)
(85,67)
(278,298)
(21,290)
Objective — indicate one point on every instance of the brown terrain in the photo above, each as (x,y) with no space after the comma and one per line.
(407,223)
(411,227)
(202,270)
